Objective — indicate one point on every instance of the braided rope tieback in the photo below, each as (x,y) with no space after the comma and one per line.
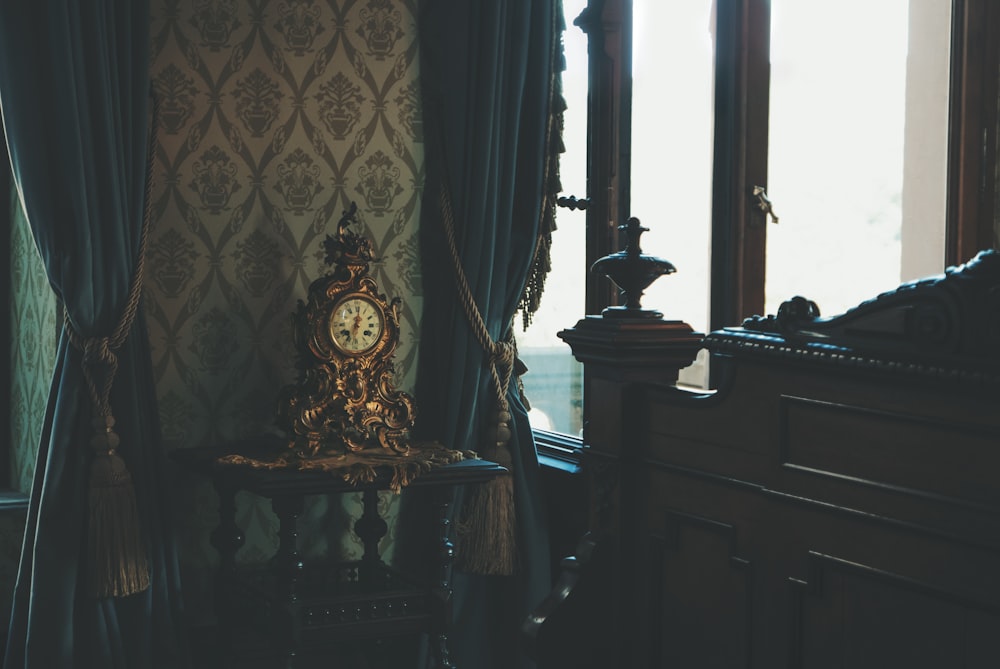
(486,531)
(500,354)
(117,561)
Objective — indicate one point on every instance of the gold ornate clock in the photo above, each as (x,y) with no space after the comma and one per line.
(345,337)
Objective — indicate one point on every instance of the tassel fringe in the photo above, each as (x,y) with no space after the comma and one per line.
(486,532)
(117,559)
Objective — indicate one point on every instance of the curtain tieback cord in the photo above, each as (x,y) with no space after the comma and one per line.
(118,565)
(487,534)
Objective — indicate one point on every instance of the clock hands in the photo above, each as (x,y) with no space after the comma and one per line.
(357,325)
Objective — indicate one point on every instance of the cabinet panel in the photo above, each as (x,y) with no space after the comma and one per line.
(855,616)
(700,595)
(890,449)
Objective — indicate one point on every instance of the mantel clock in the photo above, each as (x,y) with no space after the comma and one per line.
(345,336)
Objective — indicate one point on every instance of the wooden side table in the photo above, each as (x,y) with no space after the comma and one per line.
(298,607)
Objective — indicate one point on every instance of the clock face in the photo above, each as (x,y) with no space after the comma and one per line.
(356,324)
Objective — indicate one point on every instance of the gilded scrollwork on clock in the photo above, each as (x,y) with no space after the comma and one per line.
(345,336)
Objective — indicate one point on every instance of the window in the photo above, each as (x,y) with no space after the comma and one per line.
(554,382)
(907,85)
(873,131)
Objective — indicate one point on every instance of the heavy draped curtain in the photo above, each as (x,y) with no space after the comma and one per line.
(74,79)
(488,76)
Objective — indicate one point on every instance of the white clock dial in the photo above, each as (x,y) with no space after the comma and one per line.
(356,324)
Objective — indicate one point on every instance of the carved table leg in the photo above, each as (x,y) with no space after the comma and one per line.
(370,528)
(227,538)
(441,591)
(288,566)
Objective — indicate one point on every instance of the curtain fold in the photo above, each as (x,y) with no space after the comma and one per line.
(487,76)
(74,79)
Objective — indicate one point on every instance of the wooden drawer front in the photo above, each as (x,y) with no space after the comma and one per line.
(852,616)
(891,450)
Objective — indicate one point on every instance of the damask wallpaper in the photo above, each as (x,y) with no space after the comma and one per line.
(274,116)
(34,329)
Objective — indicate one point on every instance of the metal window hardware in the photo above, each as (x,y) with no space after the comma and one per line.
(764,204)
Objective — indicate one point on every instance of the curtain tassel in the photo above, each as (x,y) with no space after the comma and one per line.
(487,530)
(117,559)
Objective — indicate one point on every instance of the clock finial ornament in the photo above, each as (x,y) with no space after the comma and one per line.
(348,247)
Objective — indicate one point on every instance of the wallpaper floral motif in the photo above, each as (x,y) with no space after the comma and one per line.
(34,328)
(275,115)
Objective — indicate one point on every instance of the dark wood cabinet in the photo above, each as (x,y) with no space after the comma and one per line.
(835,502)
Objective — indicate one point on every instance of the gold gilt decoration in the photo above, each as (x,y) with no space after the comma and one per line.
(345,335)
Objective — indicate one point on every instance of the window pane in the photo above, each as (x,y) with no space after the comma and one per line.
(851,115)
(672,125)
(672,119)
(554,382)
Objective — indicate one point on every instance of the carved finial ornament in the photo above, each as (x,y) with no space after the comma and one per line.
(632,271)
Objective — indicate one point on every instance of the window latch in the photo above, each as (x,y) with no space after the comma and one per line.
(764,203)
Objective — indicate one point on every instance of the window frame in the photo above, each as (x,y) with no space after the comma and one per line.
(608,27)
(740,154)
(742,81)
(972,136)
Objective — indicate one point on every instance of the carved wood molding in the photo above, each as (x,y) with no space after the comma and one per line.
(604,473)
(646,343)
(945,328)
(573,569)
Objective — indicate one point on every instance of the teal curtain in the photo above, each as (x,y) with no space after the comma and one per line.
(488,77)
(74,80)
